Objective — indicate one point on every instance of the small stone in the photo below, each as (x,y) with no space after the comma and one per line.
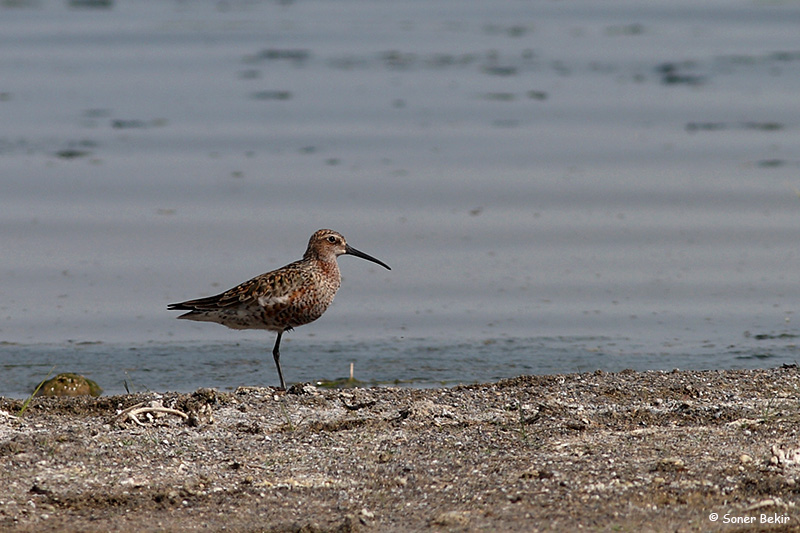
(384,457)
(578,425)
(452,518)
(744,459)
(670,464)
(514,498)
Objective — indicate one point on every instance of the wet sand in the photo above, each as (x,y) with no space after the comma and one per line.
(629,451)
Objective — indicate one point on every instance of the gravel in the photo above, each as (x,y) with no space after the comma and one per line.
(628,451)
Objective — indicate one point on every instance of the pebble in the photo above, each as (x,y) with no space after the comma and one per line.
(452,518)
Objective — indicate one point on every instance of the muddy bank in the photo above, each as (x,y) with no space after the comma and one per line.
(631,451)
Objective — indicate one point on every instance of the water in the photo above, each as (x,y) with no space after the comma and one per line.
(558,186)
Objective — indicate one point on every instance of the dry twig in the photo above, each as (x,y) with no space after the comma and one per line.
(133,412)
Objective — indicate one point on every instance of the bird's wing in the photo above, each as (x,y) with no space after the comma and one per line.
(265,290)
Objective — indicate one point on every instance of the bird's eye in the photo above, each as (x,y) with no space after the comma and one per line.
(332,239)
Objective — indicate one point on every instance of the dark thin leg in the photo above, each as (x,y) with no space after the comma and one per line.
(276,354)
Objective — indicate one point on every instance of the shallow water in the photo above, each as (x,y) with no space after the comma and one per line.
(558,186)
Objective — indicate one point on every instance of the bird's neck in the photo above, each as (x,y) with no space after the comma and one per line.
(330,268)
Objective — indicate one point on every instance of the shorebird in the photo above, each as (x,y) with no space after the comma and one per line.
(283,299)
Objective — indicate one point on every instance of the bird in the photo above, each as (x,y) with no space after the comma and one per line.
(282,299)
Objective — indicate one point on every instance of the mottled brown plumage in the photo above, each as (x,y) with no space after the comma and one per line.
(283,299)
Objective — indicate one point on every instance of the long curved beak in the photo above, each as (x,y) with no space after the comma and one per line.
(352,251)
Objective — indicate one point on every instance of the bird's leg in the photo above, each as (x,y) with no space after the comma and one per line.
(276,354)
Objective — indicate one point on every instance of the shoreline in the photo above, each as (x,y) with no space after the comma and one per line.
(644,451)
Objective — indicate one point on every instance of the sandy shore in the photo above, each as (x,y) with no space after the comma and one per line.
(632,451)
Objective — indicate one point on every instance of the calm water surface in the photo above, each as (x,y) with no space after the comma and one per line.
(558,186)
